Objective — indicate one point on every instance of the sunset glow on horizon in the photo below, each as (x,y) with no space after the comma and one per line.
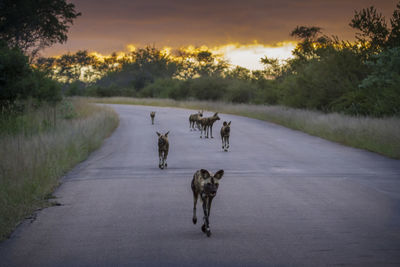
(227,27)
(247,56)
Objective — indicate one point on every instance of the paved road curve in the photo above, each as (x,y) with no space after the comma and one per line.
(287,199)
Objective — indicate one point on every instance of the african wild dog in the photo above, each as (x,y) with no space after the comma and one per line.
(152,115)
(205,184)
(163,147)
(207,124)
(225,132)
(194,120)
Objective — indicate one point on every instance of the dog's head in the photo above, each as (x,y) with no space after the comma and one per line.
(162,138)
(211,182)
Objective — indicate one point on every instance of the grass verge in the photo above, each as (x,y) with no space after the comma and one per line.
(43,144)
(380,135)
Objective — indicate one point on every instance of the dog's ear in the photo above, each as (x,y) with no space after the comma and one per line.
(205,174)
(158,134)
(224,123)
(166,134)
(218,175)
(216,113)
(229,123)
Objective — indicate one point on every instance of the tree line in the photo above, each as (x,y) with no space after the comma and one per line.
(325,73)
(26,27)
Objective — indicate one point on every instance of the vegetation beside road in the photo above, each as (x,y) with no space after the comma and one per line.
(359,78)
(41,144)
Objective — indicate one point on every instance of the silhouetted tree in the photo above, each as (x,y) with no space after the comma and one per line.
(374,31)
(373,27)
(18,80)
(239,73)
(394,36)
(209,64)
(306,33)
(35,24)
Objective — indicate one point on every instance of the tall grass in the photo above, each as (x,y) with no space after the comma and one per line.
(380,135)
(41,146)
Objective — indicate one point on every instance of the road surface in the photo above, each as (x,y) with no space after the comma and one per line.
(286,199)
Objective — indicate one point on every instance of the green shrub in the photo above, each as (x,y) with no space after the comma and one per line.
(320,81)
(183,91)
(18,80)
(240,91)
(161,88)
(209,88)
(112,90)
(14,69)
(76,88)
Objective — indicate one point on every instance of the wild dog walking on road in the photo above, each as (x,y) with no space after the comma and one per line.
(207,124)
(163,147)
(205,184)
(152,115)
(194,120)
(225,132)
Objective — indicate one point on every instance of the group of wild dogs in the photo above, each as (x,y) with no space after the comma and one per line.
(204,183)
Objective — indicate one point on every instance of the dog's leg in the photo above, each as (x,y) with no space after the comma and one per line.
(206,226)
(165,158)
(159,159)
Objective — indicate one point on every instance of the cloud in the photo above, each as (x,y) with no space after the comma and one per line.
(107,25)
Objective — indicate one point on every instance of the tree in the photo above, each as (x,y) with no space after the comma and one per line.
(32,25)
(394,37)
(146,65)
(306,33)
(373,27)
(239,73)
(273,68)
(374,30)
(13,68)
(209,64)
(18,80)
(305,49)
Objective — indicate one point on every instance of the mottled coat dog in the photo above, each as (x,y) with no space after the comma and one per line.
(152,115)
(205,184)
(225,133)
(207,124)
(163,147)
(194,120)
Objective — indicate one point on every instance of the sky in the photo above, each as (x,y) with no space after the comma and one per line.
(244,31)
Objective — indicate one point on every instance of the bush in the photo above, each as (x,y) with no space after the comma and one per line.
(76,88)
(318,82)
(18,80)
(183,91)
(379,93)
(109,91)
(240,91)
(266,92)
(14,69)
(162,88)
(209,88)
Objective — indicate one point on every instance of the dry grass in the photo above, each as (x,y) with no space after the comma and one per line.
(380,135)
(32,161)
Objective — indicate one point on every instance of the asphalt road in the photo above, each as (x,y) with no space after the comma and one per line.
(286,199)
